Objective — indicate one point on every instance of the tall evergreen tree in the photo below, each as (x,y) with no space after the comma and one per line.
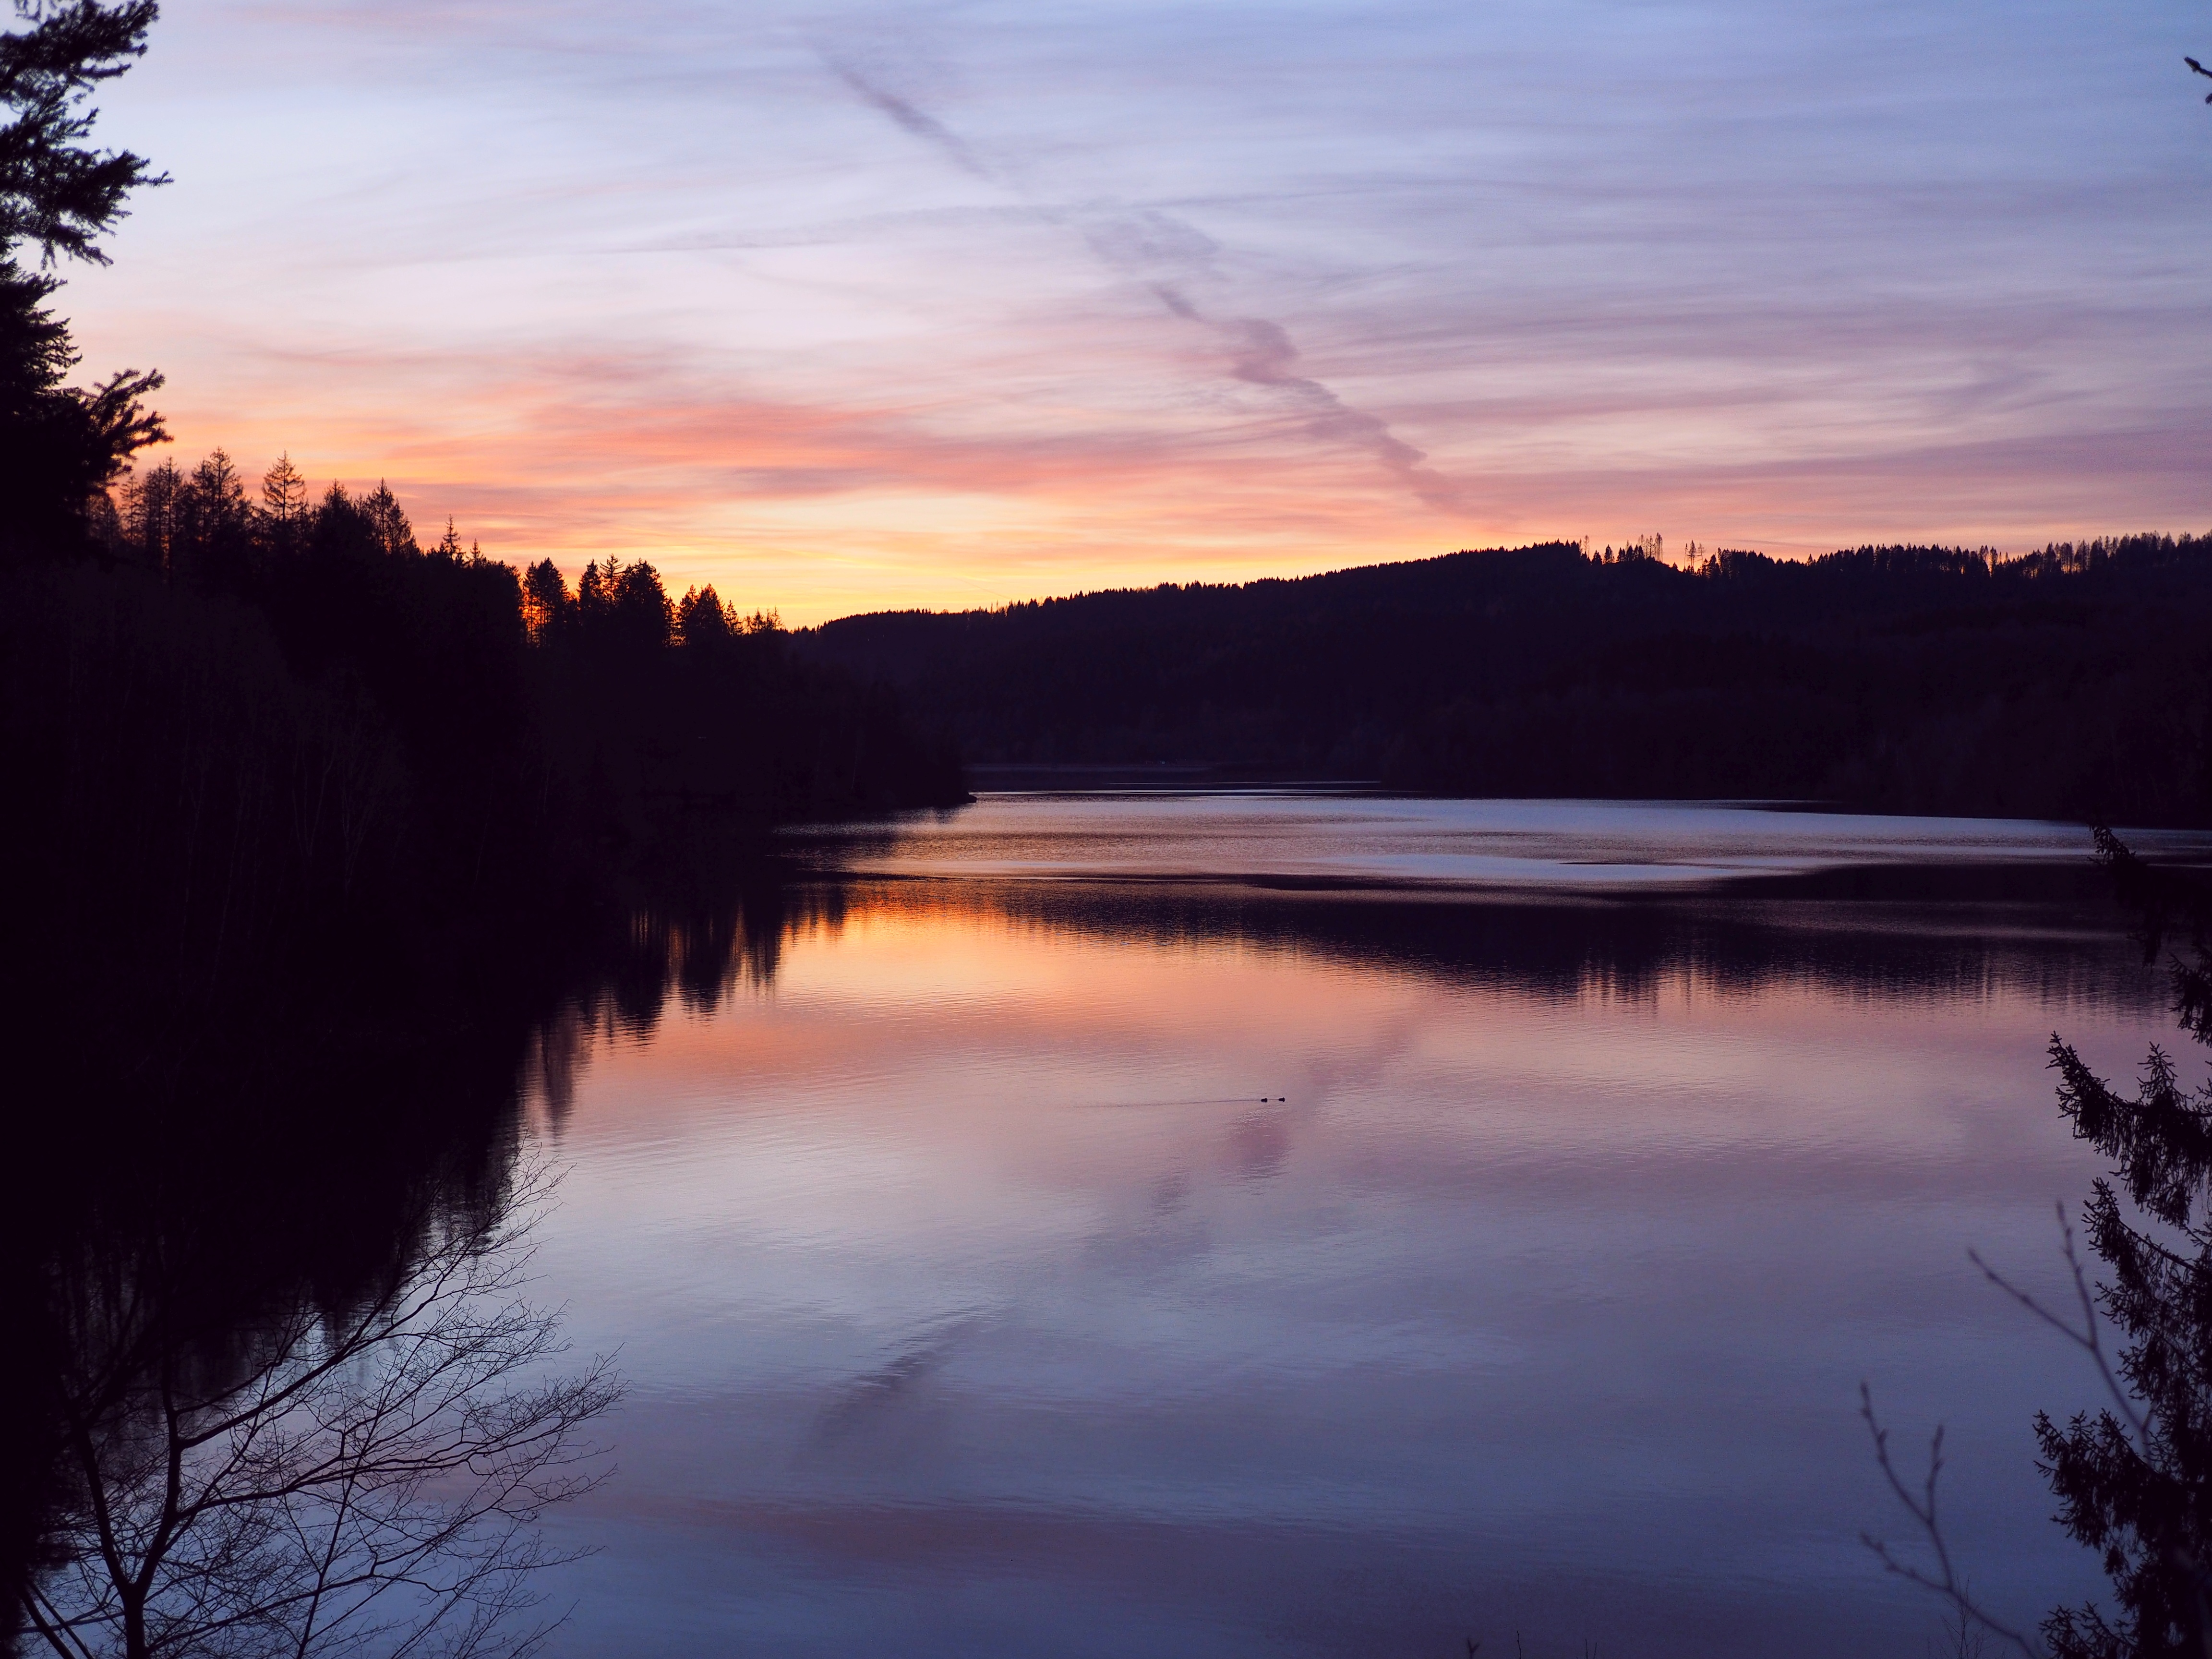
(392,531)
(700,620)
(153,501)
(59,445)
(548,609)
(282,512)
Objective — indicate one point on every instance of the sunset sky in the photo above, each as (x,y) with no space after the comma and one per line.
(846,308)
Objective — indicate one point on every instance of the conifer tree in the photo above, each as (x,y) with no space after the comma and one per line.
(283,510)
(59,445)
(394,535)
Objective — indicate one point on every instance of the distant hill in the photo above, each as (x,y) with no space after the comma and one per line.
(2068,683)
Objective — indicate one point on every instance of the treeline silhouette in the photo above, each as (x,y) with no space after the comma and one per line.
(2070,682)
(311,832)
(275,768)
(279,766)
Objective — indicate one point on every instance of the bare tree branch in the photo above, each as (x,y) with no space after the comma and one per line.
(2090,1338)
(1945,1580)
(365,1481)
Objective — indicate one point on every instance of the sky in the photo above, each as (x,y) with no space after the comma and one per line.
(849,307)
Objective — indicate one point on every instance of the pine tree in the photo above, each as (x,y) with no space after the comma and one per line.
(394,535)
(60,447)
(283,511)
(700,619)
(152,502)
(547,608)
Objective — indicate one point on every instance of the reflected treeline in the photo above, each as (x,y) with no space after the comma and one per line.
(2049,933)
(274,1384)
(270,1244)
(224,1266)
(342,759)
(311,827)
(1958,933)
(694,956)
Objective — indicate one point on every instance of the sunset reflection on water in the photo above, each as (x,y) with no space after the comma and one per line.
(1077,1267)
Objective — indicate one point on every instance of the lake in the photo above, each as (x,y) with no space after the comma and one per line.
(1295,1224)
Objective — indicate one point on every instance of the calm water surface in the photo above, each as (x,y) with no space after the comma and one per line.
(1296,1225)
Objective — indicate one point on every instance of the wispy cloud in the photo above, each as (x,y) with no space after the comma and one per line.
(931,130)
(1259,352)
(843,305)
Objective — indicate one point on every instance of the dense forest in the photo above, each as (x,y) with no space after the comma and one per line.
(2072,681)
(278,768)
(262,742)
(313,832)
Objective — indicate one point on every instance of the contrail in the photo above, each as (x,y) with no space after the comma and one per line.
(926,128)
(1260,352)
(1262,355)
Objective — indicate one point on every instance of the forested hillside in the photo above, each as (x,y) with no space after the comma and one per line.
(278,773)
(2072,681)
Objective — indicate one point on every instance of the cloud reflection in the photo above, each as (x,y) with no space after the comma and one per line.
(1533,1293)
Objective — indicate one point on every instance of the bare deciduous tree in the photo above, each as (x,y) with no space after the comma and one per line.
(362,1481)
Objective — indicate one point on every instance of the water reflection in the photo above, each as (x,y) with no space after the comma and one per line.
(362,1477)
(2047,931)
(1351,839)
(1079,1266)
(1273,1264)
(276,1383)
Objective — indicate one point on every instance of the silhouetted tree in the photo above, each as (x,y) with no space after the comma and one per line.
(282,512)
(700,620)
(548,608)
(152,502)
(213,521)
(363,1478)
(55,189)
(448,546)
(595,589)
(388,524)
(623,606)
(2134,1481)
(341,527)
(641,610)
(2133,1478)
(60,445)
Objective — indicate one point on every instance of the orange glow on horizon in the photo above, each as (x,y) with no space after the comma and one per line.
(840,320)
